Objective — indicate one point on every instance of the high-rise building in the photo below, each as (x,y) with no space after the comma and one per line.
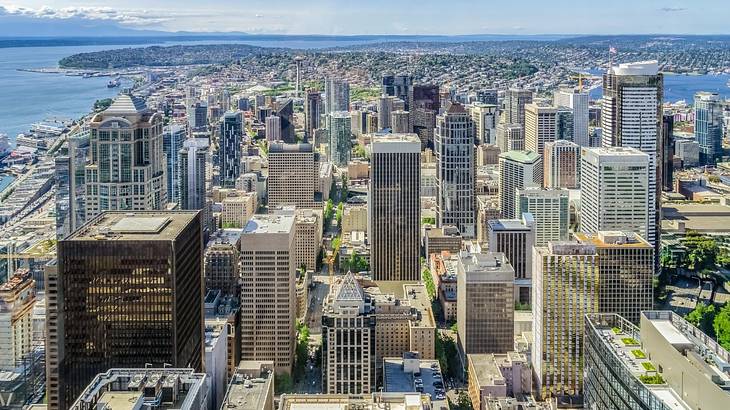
(394,207)
(515,238)
(348,341)
(129,294)
(268,297)
(385,108)
(665,363)
(631,116)
(485,303)
(198,116)
(126,171)
(337,95)
(562,165)
(540,126)
(564,123)
(626,272)
(510,137)
(708,126)
(514,105)
(456,170)
(400,122)
(172,141)
(615,192)
(577,101)
(70,179)
(565,289)
(399,86)
(221,261)
(285,112)
(488,96)
(667,159)
(485,117)
(517,170)
(17,297)
(273,128)
(312,113)
(193,158)
(293,176)
(339,125)
(229,148)
(549,207)
(424,107)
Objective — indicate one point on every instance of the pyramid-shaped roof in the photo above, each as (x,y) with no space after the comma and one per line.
(350,289)
(127,104)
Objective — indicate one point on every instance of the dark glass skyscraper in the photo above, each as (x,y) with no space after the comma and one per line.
(708,126)
(130,293)
(230,148)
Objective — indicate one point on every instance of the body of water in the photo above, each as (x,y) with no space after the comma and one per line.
(684,87)
(5,181)
(27,97)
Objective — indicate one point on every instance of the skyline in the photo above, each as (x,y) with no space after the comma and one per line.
(377,17)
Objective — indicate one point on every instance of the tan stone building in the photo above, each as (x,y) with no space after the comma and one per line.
(294,176)
(268,296)
(17,298)
(498,375)
(237,208)
(221,261)
(354,218)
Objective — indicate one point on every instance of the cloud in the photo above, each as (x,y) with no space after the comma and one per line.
(673,9)
(108,14)
(258,16)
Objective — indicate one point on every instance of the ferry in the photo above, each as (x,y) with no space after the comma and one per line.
(114,83)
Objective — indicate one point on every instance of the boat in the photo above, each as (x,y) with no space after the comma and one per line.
(114,83)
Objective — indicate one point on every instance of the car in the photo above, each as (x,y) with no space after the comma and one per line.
(417,374)
(419,389)
(440,396)
(418,380)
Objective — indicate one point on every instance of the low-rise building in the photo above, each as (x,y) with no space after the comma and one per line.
(443,267)
(180,389)
(354,218)
(375,401)
(252,387)
(411,374)
(446,238)
(498,375)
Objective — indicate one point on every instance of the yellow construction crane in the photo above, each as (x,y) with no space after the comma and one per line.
(580,81)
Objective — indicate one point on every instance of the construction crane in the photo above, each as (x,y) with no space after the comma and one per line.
(580,81)
(331,259)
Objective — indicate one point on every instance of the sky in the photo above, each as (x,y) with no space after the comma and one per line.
(340,17)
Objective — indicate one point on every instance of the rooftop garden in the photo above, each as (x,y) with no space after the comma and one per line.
(630,341)
(648,366)
(652,379)
(638,354)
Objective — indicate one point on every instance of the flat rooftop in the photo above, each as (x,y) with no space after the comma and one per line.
(613,240)
(507,225)
(269,223)
(135,226)
(396,380)
(121,400)
(248,393)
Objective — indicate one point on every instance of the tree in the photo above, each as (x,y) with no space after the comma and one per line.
(721,326)
(328,212)
(357,263)
(703,317)
(338,214)
(428,281)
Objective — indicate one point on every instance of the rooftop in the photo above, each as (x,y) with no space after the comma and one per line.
(251,386)
(525,157)
(262,224)
(138,225)
(126,104)
(486,267)
(650,67)
(613,239)
(401,379)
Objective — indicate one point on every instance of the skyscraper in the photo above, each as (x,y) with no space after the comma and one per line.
(549,207)
(614,185)
(337,95)
(400,122)
(268,297)
(285,112)
(385,108)
(488,96)
(515,238)
(130,292)
(229,148)
(399,86)
(17,298)
(339,125)
(485,303)
(172,141)
(193,158)
(708,126)
(70,179)
(424,107)
(517,170)
(394,207)
(126,171)
(564,123)
(273,128)
(293,176)
(510,137)
(667,149)
(514,105)
(565,289)
(562,165)
(578,102)
(626,272)
(456,175)
(631,116)
(198,116)
(312,113)
(540,126)
(485,122)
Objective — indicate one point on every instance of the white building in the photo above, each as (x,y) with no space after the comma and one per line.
(549,207)
(517,170)
(578,102)
(485,118)
(615,191)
